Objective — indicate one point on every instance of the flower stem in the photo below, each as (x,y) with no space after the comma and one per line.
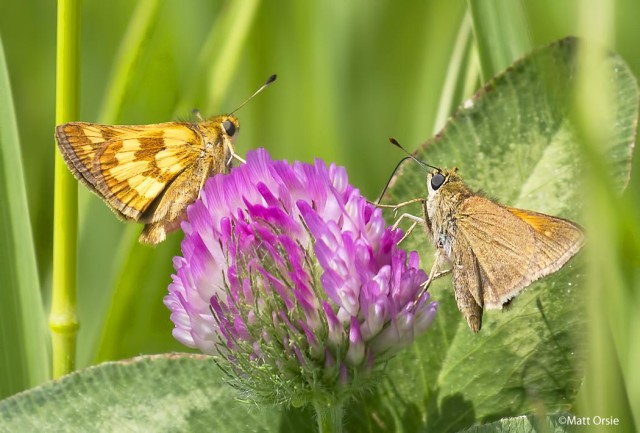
(329,417)
(63,321)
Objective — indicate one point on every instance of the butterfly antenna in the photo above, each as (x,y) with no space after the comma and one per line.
(424,165)
(264,86)
(393,173)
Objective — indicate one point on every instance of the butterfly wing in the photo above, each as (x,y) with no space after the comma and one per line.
(128,166)
(467,283)
(556,240)
(167,211)
(78,143)
(514,247)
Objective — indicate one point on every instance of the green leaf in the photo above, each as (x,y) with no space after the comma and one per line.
(514,139)
(23,340)
(525,424)
(158,393)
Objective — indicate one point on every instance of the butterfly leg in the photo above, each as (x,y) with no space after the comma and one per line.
(416,220)
(407,233)
(233,154)
(236,156)
(433,273)
(442,274)
(395,207)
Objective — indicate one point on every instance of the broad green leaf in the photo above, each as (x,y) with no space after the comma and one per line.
(157,393)
(514,140)
(23,339)
(526,424)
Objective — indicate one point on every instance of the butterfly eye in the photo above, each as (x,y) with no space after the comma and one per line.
(436,181)
(229,127)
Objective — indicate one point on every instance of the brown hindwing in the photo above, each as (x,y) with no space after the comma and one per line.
(167,211)
(467,283)
(514,247)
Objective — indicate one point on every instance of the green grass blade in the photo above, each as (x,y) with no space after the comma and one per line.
(144,272)
(130,50)
(23,338)
(218,61)
(94,276)
(224,67)
(132,44)
(612,385)
(460,72)
(501,31)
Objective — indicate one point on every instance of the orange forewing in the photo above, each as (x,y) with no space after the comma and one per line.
(128,165)
(556,239)
(132,168)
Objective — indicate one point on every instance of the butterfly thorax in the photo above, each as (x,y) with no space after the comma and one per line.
(442,206)
(217,143)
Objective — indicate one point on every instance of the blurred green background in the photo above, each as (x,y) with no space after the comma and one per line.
(350,74)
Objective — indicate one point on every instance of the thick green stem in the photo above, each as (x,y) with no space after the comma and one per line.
(63,320)
(329,417)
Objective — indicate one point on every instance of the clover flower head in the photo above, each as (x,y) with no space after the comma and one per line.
(292,280)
